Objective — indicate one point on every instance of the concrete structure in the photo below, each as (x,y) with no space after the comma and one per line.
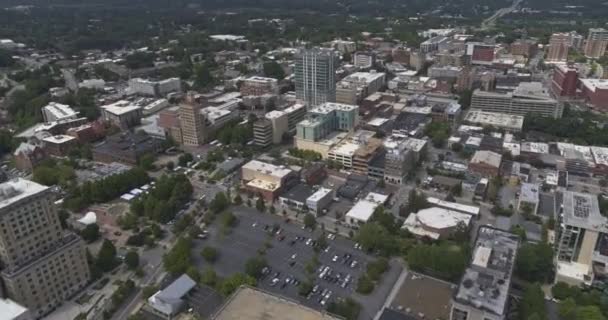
(582,240)
(357,86)
(126,147)
(398,160)
(280,124)
(266,179)
(155,88)
(258,86)
(59,145)
(56,111)
(10,310)
(496,120)
(295,114)
(296,197)
(528,198)
(42,264)
(528,97)
(364,60)
(524,47)
(596,43)
(433,44)
(315,76)
(319,200)
(559,43)
(327,118)
(27,156)
(122,114)
(168,302)
(192,123)
(255,304)
(564,81)
(262,133)
(363,210)
(366,155)
(483,292)
(595,92)
(485,163)
(436,223)
(481,53)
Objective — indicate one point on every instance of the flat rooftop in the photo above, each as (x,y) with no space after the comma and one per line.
(120,107)
(420,295)
(582,210)
(499,120)
(486,282)
(253,304)
(328,107)
(18,189)
(267,168)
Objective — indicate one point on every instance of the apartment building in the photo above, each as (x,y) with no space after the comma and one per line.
(258,86)
(327,118)
(357,86)
(582,240)
(398,161)
(483,292)
(56,112)
(559,43)
(315,75)
(295,114)
(528,97)
(596,43)
(122,114)
(262,133)
(192,124)
(564,81)
(42,265)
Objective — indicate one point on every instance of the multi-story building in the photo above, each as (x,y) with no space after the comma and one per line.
(126,147)
(327,118)
(357,86)
(258,86)
(401,55)
(398,160)
(485,163)
(559,43)
(481,53)
(595,92)
(433,44)
(315,74)
(56,112)
(565,80)
(155,88)
(280,124)
(262,133)
(364,60)
(528,97)
(42,265)
(267,179)
(168,119)
(295,114)
(365,155)
(192,123)
(524,47)
(483,292)
(122,114)
(582,240)
(596,43)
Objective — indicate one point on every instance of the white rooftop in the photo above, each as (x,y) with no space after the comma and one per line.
(89,218)
(58,139)
(120,107)
(434,219)
(328,107)
(472,210)
(487,157)
(364,208)
(60,111)
(275,114)
(346,149)
(595,84)
(376,122)
(267,168)
(17,189)
(499,120)
(11,309)
(319,194)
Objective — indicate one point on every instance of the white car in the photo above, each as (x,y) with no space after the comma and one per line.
(293,256)
(335,258)
(308,242)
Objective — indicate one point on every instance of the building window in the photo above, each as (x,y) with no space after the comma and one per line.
(458,314)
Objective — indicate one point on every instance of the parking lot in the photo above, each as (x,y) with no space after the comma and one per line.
(288,253)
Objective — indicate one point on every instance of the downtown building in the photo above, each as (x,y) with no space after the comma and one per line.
(564,81)
(559,43)
(315,76)
(42,264)
(596,43)
(527,98)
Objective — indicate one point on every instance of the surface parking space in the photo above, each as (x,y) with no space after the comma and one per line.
(288,251)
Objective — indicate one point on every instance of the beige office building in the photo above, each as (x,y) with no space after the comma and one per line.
(559,43)
(42,265)
(527,98)
(192,124)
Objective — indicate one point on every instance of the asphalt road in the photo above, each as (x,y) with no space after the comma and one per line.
(245,239)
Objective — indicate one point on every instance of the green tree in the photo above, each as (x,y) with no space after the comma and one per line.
(193,273)
(365,285)
(210,254)
(228,219)
(178,259)
(347,308)
(238,200)
(535,262)
(304,288)
(567,309)
(532,302)
(203,77)
(209,277)
(132,259)
(260,205)
(445,260)
(148,291)
(310,221)
(273,70)
(90,233)
(106,257)
(228,285)
(254,266)
(589,313)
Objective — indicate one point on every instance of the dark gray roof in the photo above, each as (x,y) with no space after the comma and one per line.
(230,165)
(546,205)
(389,314)
(178,289)
(298,193)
